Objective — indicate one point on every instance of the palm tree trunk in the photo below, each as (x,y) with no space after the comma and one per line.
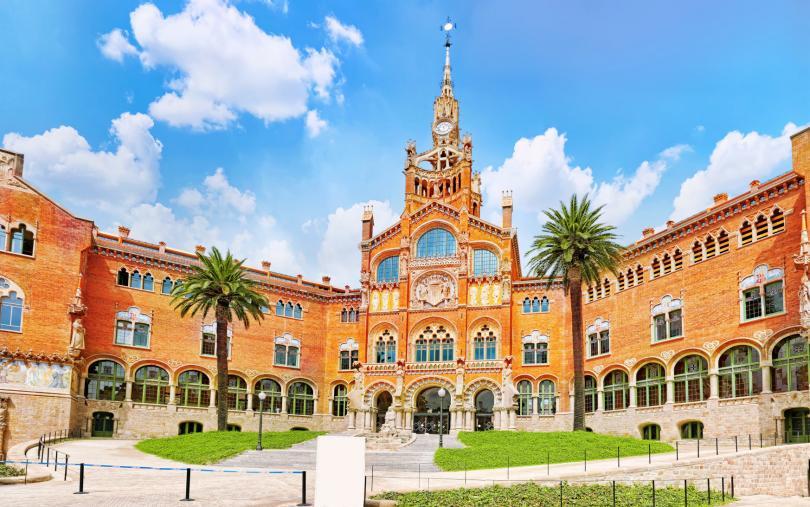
(575,297)
(222,367)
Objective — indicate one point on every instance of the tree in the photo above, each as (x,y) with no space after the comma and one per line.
(220,285)
(575,247)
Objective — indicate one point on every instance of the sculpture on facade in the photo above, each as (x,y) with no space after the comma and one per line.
(507,385)
(76,338)
(3,423)
(804,302)
(355,396)
(434,291)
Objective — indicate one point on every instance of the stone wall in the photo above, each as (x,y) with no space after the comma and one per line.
(31,414)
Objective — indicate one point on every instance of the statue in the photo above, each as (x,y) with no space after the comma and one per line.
(388,428)
(355,396)
(804,302)
(76,338)
(507,386)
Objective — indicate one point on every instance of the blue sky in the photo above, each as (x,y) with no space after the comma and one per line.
(265,126)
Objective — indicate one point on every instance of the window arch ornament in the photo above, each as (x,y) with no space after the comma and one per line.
(433,344)
(436,242)
(349,354)
(434,290)
(762,293)
(151,385)
(485,343)
(385,347)
(651,386)
(598,338)
(12,300)
(691,379)
(667,319)
(105,381)
(287,351)
(132,328)
(535,348)
(388,270)
(485,262)
(739,373)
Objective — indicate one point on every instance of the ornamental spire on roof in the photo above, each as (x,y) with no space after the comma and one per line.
(447,81)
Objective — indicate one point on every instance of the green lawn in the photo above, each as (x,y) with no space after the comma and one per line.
(214,446)
(532,495)
(492,449)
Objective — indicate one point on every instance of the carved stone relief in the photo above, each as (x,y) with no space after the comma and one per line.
(437,290)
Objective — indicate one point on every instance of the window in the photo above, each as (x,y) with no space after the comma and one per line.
(651,432)
(233,427)
(280,309)
(762,293)
(620,281)
(547,400)
(524,388)
(272,400)
(616,391)
(3,237)
(348,353)
(527,305)
(746,234)
(436,243)
(656,268)
(639,274)
(692,430)
(535,349)
(288,309)
(388,270)
(777,221)
(188,427)
(22,240)
(105,381)
(739,372)
(386,348)
(691,379)
(711,247)
(209,345)
(193,389)
(722,243)
(485,344)
(667,319)
(544,304)
(350,315)
(485,263)
(148,282)
(591,398)
(598,336)
(286,351)
(151,386)
(132,328)
(11,308)
(790,360)
(435,345)
(299,312)
(123,277)
(237,393)
(761,228)
(697,252)
(651,386)
(300,399)
(135,280)
(666,263)
(166,286)
(677,260)
(340,401)
(535,305)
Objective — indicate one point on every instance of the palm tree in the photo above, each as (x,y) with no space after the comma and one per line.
(220,285)
(575,247)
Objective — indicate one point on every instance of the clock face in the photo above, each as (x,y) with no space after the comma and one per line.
(443,128)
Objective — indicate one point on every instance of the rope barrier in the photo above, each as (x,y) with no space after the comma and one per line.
(183,469)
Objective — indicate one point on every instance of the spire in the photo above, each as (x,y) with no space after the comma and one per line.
(447,81)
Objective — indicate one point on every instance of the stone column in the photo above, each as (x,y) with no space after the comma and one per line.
(714,384)
(82,385)
(128,395)
(172,394)
(408,419)
(570,402)
(283,404)
(632,395)
(397,418)
(497,415)
(512,418)
(213,398)
(767,388)
(670,390)
(352,419)
(600,398)
(250,401)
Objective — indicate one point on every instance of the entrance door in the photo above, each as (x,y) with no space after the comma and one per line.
(102,424)
(797,425)
(383,403)
(484,403)
(432,412)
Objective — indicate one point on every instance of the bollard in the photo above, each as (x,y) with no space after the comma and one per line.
(709,489)
(548,463)
(188,487)
(25,479)
(419,474)
(304,489)
(698,448)
(749,441)
(586,460)
(507,468)
(55,460)
(465,473)
(613,486)
(653,492)
(48,458)
(372,478)
(676,450)
(649,454)
(685,495)
(723,488)
(81,480)
(618,458)
(732,486)
(561,493)
(67,456)
(760,440)
(716,446)
(808,477)
(736,447)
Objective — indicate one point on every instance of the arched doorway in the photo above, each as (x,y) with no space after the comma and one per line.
(484,403)
(382,404)
(431,411)
(797,425)
(103,423)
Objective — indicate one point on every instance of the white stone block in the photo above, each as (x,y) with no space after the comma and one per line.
(340,469)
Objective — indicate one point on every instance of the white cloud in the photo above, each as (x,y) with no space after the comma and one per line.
(540,174)
(190,198)
(339,254)
(219,188)
(115,45)
(62,162)
(226,65)
(338,32)
(736,160)
(314,124)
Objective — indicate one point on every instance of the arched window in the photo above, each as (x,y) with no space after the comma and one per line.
(434,345)
(598,337)
(11,308)
(547,400)
(485,263)
(651,385)
(151,385)
(233,427)
(617,391)
(651,432)
(762,293)
(348,354)
(790,360)
(722,242)
(344,316)
(691,379)
(677,260)
(535,348)
(105,381)
(286,351)
(739,372)
(22,240)
(639,274)
(386,348)
(193,389)
(631,279)
(300,399)
(667,319)
(692,430)
(535,305)
(148,282)
(527,305)
(388,270)
(272,400)
(166,286)
(288,309)
(135,280)
(746,233)
(761,227)
(299,311)
(711,247)
(591,399)
(666,263)
(189,427)
(484,344)
(421,350)
(3,238)
(352,315)
(132,328)
(777,221)
(620,282)
(123,277)
(544,304)
(280,308)
(340,401)
(656,268)
(237,393)
(524,397)
(436,243)
(697,252)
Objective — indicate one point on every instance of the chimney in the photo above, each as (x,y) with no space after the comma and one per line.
(199,249)
(326,280)
(14,163)
(162,247)
(348,288)
(670,223)
(800,146)
(300,278)
(754,184)
(123,233)
(266,265)
(723,197)
(368,222)
(506,207)
(647,232)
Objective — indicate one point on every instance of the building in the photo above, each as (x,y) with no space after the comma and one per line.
(702,332)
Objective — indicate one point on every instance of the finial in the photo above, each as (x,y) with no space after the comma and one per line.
(447,82)
(447,27)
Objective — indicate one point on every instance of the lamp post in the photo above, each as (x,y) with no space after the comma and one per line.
(262,396)
(442,394)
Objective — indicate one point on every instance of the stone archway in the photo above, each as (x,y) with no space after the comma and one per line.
(491,412)
(382,404)
(425,412)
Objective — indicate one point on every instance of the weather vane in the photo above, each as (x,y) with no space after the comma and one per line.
(447,27)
